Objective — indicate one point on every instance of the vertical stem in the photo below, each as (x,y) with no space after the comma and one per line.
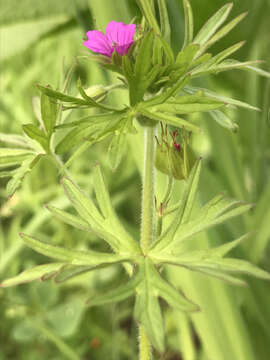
(147,221)
(145,346)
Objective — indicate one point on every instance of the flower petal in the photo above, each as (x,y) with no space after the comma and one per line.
(98,42)
(120,34)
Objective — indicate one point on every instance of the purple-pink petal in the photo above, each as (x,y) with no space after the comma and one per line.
(98,42)
(120,35)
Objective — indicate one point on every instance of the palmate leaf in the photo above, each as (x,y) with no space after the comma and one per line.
(216,211)
(14,139)
(169,119)
(213,95)
(168,93)
(147,307)
(19,174)
(117,150)
(102,227)
(183,209)
(211,262)
(174,107)
(213,24)
(93,126)
(222,32)
(74,257)
(194,227)
(35,273)
(226,65)
(11,157)
(186,56)
(69,219)
(120,293)
(35,133)
(108,212)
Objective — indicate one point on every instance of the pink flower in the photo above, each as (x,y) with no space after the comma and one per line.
(119,37)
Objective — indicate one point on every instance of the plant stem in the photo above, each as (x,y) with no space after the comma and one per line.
(163,205)
(147,222)
(145,346)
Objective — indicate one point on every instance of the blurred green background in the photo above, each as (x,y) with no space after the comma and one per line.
(39,40)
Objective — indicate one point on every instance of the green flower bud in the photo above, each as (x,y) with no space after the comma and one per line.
(172,158)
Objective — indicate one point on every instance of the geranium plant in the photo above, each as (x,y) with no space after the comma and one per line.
(160,97)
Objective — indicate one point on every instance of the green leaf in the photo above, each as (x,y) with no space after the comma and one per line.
(102,194)
(94,126)
(10,157)
(225,53)
(225,99)
(80,150)
(117,150)
(165,290)
(226,65)
(13,139)
(90,100)
(8,173)
(223,31)
(60,96)
(169,119)
(213,24)
(205,260)
(224,249)
(166,48)
(69,219)
(258,71)
(75,257)
(201,59)
(184,208)
(35,133)
(105,205)
(48,113)
(38,272)
(188,23)
(74,137)
(230,279)
(147,11)
(186,55)
(206,220)
(88,211)
(69,271)
(19,174)
(159,99)
(144,56)
(120,293)
(147,310)
(223,120)
(127,68)
(164,20)
(176,108)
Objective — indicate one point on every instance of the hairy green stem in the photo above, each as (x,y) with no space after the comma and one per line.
(147,221)
(145,346)
(163,205)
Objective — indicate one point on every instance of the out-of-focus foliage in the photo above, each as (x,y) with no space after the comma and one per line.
(39,40)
